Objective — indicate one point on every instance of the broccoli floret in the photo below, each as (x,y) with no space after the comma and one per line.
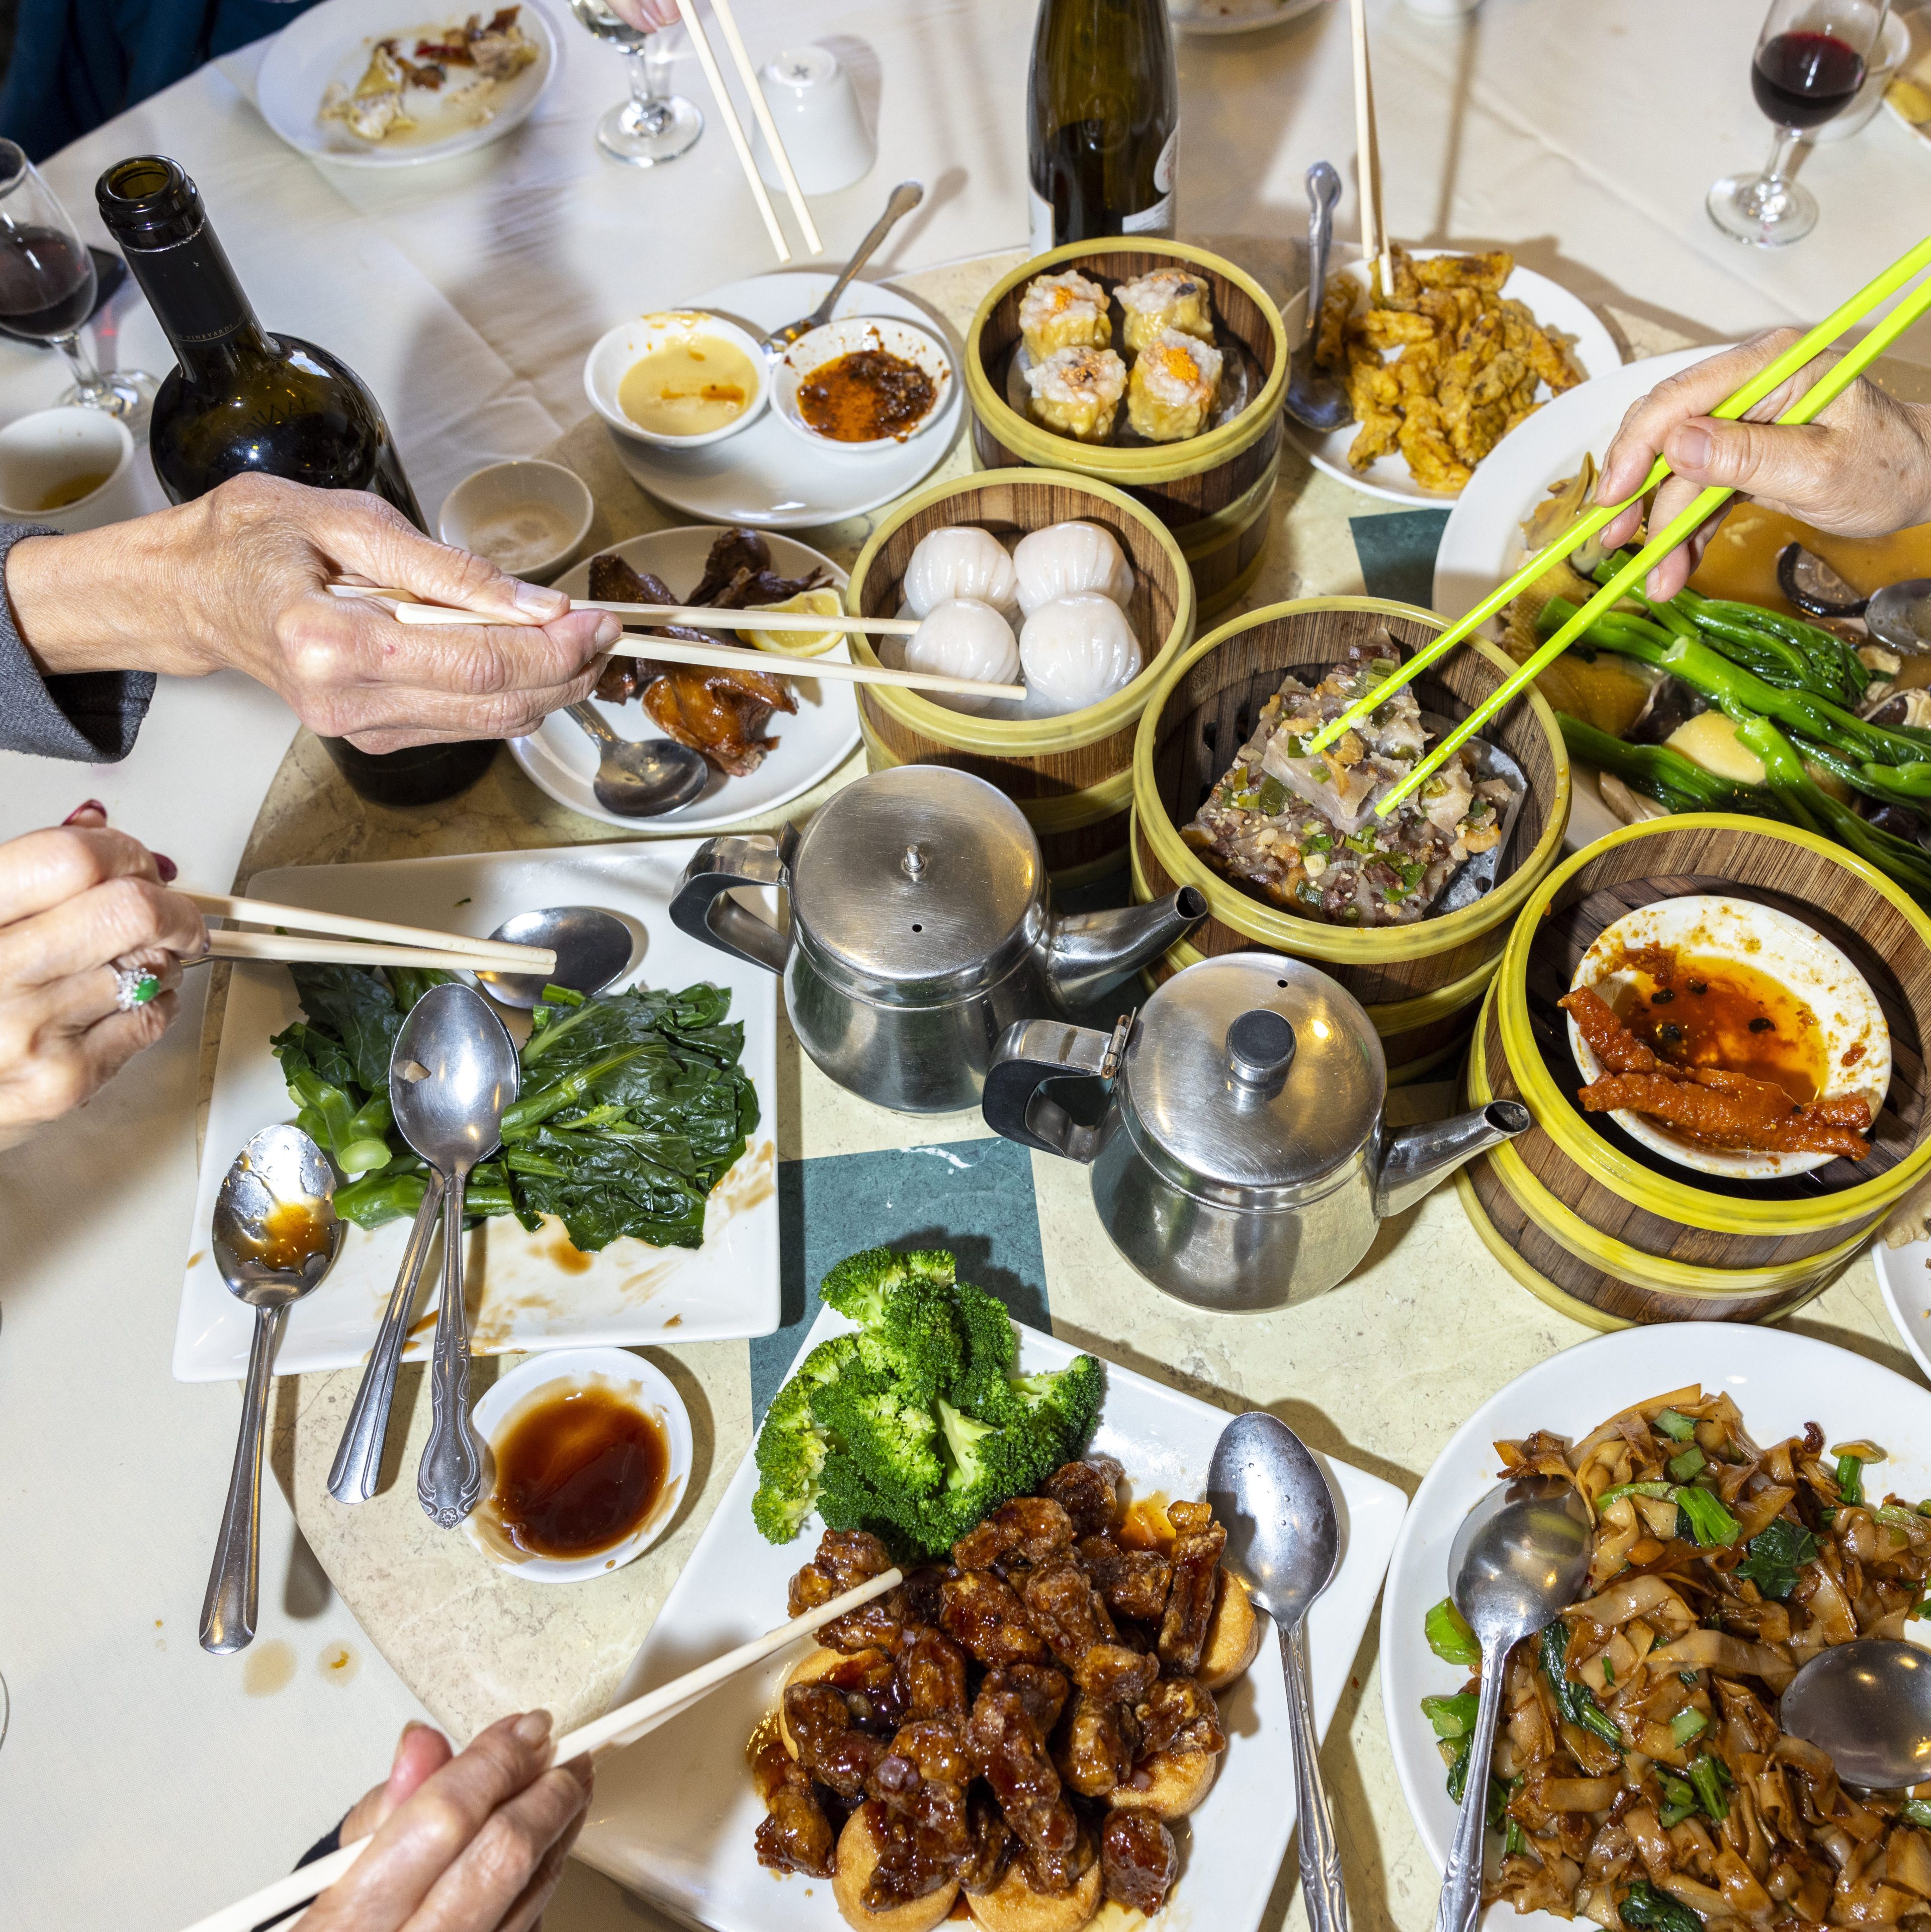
(1062,1405)
(792,1445)
(848,1501)
(984,1464)
(890,1440)
(982,1387)
(858,1287)
(915,1344)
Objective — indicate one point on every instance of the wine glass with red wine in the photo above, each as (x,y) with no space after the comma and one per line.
(48,284)
(1809,64)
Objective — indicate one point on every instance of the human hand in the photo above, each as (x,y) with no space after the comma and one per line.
(1863,468)
(468,1842)
(649,17)
(72,899)
(238,578)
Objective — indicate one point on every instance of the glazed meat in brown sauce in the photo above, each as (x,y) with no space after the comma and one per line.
(1004,1706)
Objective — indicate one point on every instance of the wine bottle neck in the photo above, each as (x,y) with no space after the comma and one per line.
(192,288)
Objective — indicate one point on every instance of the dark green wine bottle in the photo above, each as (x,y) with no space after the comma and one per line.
(1103,121)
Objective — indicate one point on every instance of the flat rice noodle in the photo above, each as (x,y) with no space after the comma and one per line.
(1907,1856)
(1703,1898)
(1682,1400)
(1776,1461)
(1743,1891)
(1867,1902)
(1747,1725)
(1573,1794)
(1659,1515)
(1632,1597)
(1830,1619)
(1595,1755)
(1651,1841)
(1730,1656)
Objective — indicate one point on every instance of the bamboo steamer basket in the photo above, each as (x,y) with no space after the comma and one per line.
(1595,1224)
(1071,776)
(1420,983)
(1214,491)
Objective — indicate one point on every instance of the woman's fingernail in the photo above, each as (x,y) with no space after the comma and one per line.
(86,806)
(532,1727)
(1692,446)
(608,630)
(166,867)
(540,602)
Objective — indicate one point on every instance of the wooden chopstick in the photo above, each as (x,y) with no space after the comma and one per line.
(761,109)
(298,948)
(623,1725)
(501,953)
(708,61)
(696,617)
(1368,154)
(1846,315)
(1826,390)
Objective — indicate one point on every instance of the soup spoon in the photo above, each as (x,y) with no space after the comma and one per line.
(1899,615)
(1868,1704)
(1314,398)
(640,779)
(592,947)
(905,197)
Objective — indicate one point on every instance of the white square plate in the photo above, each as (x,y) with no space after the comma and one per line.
(674,1819)
(522,1296)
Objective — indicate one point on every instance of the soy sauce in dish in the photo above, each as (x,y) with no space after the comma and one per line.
(865,396)
(577,1471)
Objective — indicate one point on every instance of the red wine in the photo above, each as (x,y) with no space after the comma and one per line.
(46,282)
(1801,79)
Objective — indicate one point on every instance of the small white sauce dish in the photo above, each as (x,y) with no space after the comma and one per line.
(833,339)
(529,517)
(630,342)
(1709,927)
(544,1378)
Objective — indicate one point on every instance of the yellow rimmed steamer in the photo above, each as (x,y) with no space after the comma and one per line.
(1584,1217)
(1071,776)
(1420,983)
(1213,491)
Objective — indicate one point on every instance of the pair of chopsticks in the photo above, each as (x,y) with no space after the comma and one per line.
(766,126)
(614,1728)
(1821,394)
(721,657)
(350,941)
(1367,156)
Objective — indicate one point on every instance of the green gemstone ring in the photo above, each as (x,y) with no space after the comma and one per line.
(133,989)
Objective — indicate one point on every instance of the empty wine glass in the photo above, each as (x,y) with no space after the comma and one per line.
(654,124)
(47,286)
(1809,63)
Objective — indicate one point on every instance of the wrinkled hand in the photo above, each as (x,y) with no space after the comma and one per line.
(72,899)
(470,1843)
(648,15)
(237,579)
(1863,468)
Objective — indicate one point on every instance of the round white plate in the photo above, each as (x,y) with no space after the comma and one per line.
(1235,17)
(1779,1381)
(1904,1278)
(332,42)
(770,477)
(1551,305)
(560,758)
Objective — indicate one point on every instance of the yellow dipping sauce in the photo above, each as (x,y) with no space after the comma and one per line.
(690,387)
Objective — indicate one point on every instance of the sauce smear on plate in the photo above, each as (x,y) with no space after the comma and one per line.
(577,1471)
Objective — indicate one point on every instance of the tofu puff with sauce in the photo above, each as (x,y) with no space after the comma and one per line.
(1063,311)
(1017,1724)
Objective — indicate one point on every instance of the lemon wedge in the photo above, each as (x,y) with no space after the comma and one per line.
(800,643)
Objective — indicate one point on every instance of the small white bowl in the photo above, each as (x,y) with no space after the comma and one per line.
(630,342)
(47,453)
(529,517)
(631,1377)
(827,344)
(1802,961)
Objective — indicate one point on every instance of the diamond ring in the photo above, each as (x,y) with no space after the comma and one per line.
(133,987)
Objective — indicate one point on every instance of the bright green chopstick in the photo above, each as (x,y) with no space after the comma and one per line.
(1826,331)
(1818,397)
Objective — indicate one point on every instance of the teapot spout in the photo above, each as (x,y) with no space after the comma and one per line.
(1415,1163)
(1087,952)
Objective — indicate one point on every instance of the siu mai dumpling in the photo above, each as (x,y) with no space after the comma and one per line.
(1076,651)
(1174,298)
(1176,379)
(1064,558)
(965,562)
(1076,392)
(963,638)
(1063,311)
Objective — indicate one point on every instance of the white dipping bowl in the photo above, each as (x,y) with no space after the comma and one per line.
(529,517)
(826,344)
(1802,961)
(635,1380)
(45,454)
(631,342)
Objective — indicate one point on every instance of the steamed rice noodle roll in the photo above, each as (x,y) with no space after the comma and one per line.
(967,562)
(1077,650)
(1076,392)
(964,638)
(1064,559)
(1174,298)
(1175,381)
(1063,311)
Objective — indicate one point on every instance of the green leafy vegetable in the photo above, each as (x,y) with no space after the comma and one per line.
(1679,1799)
(1710,1524)
(1916,1811)
(1691,1463)
(1449,1635)
(1687,1723)
(1643,1906)
(1677,1428)
(1576,1701)
(1775,1555)
(1452,1717)
(1709,1775)
(1850,1479)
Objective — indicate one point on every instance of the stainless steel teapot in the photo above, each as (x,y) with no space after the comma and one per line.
(1242,1161)
(921,929)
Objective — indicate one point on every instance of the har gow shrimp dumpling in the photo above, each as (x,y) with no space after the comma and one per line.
(964,638)
(1076,651)
(1064,558)
(1175,380)
(967,562)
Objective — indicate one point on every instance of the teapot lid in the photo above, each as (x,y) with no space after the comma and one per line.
(1253,1071)
(917,883)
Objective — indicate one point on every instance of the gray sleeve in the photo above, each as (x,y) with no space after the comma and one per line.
(91,716)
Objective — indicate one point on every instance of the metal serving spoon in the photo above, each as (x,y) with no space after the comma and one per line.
(1868,1703)
(453,1073)
(1283,1542)
(592,948)
(276,1235)
(905,197)
(1314,398)
(640,779)
(1899,615)
(1518,1560)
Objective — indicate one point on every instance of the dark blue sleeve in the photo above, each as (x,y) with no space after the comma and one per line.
(320,1849)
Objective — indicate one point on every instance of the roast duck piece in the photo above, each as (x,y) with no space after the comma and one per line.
(721,713)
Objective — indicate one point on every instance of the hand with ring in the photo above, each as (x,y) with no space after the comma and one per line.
(90,943)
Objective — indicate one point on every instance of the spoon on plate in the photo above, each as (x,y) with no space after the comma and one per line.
(1519,1559)
(1899,615)
(639,779)
(592,947)
(1283,1542)
(1314,398)
(453,1073)
(905,197)
(276,1234)
(1868,1704)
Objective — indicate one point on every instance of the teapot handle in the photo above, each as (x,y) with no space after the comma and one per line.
(1032,1052)
(701,908)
